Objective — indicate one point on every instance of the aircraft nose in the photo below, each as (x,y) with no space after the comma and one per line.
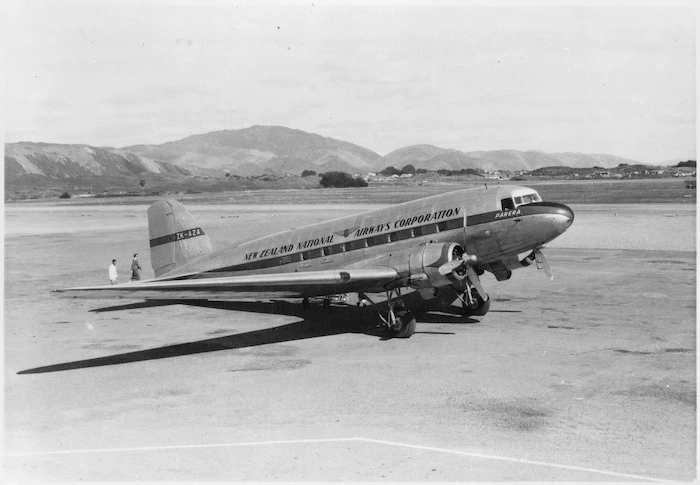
(565,216)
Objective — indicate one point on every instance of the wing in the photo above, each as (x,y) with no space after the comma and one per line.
(279,285)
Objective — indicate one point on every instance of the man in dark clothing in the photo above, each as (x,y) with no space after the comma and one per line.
(135,268)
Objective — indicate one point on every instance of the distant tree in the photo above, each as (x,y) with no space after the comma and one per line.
(421,170)
(340,179)
(142,183)
(409,169)
(689,164)
(554,171)
(227,174)
(391,171)
(463,171)
(64,195)
(308,173)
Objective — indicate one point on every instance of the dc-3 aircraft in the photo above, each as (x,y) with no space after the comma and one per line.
(437,246)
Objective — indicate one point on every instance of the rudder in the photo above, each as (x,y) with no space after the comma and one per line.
(175,237)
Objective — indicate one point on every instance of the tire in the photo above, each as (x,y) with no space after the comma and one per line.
(407,327)
(482,307)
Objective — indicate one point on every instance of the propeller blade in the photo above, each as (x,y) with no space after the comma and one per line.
(543,264)
(474,278)
(450,266)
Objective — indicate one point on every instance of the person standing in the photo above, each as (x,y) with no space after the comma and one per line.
(135,268)
(113,272)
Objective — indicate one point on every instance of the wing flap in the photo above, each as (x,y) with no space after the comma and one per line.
(280,285)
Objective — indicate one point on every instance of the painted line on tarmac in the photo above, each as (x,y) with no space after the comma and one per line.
(179,447)
(505,458)
(335,440)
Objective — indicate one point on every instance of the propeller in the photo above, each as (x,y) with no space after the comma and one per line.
(474,278)
(467,260)
(450,266)
(543,264)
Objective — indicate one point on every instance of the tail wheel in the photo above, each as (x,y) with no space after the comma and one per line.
(405,325)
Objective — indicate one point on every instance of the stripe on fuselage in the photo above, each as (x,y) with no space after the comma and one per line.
(348,246)
(523,210)
(178,236)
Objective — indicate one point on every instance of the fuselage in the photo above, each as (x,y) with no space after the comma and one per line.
(494,224)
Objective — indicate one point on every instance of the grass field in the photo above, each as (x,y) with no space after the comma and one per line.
(564,191)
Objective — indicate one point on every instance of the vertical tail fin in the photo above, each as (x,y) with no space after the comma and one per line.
(175,237)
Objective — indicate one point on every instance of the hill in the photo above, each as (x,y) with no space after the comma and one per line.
(434,158)
(260,149)
(39,166)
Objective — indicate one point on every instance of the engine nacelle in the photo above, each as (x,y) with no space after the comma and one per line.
(519,261)
(419,267)
(502,269)
(425,262)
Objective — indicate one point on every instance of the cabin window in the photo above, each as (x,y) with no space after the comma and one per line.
(314,253)
(292,258)
(451,224)
(401,235)
(455,223)
(427,229)
(377,240)
(335,249)
(518,201)
(357,244)
(507,204)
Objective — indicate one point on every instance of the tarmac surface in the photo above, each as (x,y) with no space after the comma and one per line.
(591,377)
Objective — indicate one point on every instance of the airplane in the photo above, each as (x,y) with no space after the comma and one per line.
(437,246)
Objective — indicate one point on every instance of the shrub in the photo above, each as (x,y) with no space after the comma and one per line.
(307,173)
(64,195)
(391,171)
(340,179)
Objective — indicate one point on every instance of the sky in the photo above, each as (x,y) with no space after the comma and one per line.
(574,78)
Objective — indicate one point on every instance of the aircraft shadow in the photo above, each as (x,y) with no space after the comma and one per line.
(315,322)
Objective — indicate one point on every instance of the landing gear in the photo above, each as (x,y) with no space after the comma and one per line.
(404,324)
(399,322)
(473,304)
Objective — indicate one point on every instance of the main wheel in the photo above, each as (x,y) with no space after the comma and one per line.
(478,308)
(406,325)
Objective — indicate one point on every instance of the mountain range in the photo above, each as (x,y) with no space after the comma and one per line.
(259,150)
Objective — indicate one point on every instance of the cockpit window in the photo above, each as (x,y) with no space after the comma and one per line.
(507,204)
(527,199)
